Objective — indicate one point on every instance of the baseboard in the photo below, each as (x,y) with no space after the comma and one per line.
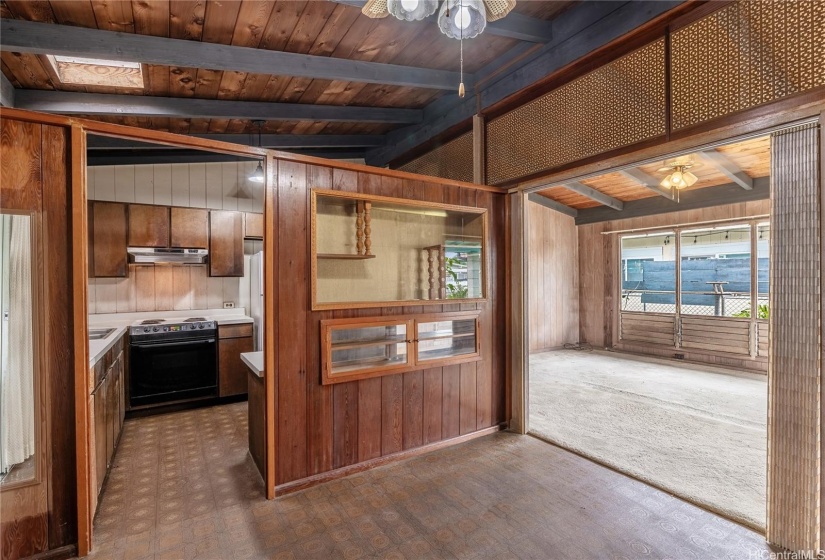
(320,478)
(68,551)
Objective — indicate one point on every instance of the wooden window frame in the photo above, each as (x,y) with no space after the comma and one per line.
(327,306)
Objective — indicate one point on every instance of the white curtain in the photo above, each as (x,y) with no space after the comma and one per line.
(16,344)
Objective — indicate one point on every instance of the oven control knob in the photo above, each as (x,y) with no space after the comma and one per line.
(154,329)
(200,326)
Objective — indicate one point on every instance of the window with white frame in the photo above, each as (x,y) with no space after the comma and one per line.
(723,271)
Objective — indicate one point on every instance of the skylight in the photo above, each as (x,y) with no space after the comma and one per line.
(97,72)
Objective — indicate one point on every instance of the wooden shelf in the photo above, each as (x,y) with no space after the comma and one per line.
(344,256)
(429,355)
(438,335)
(356,365)
(383,341)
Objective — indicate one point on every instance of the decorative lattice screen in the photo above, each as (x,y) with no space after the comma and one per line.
(619,104)
(744,55)
(453,160)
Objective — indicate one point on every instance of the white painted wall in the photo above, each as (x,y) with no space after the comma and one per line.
(196,185)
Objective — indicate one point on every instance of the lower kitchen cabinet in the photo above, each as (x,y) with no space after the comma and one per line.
(233,340)
(108,406)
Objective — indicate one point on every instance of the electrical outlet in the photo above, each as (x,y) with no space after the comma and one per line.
(229,305)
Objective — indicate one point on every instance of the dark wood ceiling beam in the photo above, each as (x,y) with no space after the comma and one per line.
(690,199)
(513,26)
(593,194)
(46,38)
(71,103)
(580,30)
(6,92)
(145,157)
(275,141)
(647,181)
(552,204)
(727,167)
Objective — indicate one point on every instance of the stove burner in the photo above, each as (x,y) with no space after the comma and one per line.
(195,320)
(152,322)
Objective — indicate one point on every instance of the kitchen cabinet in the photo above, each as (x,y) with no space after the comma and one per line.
(148,226)
(108,400)
(107,239)
(233,340)
(253,225)
(353,349)
(225,243)
(189,228)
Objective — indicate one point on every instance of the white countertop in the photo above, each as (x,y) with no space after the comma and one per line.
(121,322)
(255,362)
(98,348)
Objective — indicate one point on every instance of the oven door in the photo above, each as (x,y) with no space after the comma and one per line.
(162,372)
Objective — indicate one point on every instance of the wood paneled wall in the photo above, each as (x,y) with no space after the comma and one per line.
(553,282)
(599,266)
(322,428)
(34,178)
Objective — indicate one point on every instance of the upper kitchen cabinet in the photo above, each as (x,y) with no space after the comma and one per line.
(253,225)
(108,226)
(148,226)
(225,243)
(190,228)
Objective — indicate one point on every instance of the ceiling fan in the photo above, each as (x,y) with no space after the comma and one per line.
(457,19)
(679,175)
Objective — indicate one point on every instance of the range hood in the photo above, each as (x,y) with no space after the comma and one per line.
(146,255)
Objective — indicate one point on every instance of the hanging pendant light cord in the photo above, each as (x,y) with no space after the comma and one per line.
(461,50)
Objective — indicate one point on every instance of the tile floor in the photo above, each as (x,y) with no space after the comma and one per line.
(183,487)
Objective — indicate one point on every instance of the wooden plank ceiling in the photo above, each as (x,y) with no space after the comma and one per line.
(751,156)
(322,28)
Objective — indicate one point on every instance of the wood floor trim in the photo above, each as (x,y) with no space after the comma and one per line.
(309,482)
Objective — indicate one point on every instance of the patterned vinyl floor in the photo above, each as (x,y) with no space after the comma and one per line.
(183,487)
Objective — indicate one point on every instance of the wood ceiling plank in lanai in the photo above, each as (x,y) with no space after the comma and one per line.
(74,12)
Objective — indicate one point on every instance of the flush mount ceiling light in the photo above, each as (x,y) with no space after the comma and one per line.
(679,177)
(96,72)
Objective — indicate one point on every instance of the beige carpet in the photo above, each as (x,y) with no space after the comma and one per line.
(699,434)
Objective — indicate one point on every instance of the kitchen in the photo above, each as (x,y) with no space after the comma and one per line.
(175,290)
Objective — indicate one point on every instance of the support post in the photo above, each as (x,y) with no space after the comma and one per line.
(479,150)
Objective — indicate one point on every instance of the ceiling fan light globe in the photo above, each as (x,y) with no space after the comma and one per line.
(412,10)
(676,177)
(453,20)
(690,178)
(666,183)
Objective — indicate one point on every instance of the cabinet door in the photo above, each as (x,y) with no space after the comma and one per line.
(109,409)
(107,235)
(190,228)
(231,370)
(121,395)
(225,243)
(101,462)
(253,225)
(148,226)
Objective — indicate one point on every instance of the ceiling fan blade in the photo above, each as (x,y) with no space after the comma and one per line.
(375,9)
(497,9)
